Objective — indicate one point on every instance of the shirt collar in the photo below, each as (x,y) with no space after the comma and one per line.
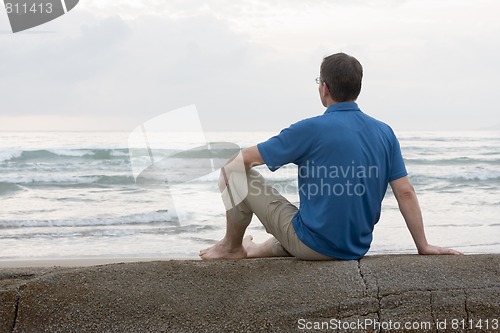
(343,106)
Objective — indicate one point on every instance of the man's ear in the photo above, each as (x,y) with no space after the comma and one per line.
(325,92)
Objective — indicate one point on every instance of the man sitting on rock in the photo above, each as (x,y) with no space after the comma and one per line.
(345,160)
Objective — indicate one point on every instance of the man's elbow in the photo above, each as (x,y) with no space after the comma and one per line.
(246,158)
(406,192)
(251,157)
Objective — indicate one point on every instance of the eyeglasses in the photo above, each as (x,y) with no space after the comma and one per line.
(318,80)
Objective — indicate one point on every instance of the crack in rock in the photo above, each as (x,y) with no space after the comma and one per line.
(16,309)
(466,309)
(379,310)
(365,293)
(431,307)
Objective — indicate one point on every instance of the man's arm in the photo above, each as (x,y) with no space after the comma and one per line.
(251,157)
(247,158)
(410,209)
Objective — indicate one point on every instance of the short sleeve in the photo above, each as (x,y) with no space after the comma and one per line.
(398,168)
(290,146)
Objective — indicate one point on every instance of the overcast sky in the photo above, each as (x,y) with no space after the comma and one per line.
(251,64)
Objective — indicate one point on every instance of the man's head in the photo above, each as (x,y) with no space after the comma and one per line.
(340,79)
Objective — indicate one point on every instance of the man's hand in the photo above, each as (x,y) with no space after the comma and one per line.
(244,160)
(222,180)
(431,249)
(409,207)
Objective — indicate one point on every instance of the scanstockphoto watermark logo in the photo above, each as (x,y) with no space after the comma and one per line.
(349,179)
(336,180)
(169,151)
(25,14)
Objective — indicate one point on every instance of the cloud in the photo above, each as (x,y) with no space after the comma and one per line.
(251,64)
(40,74)
(114,60)
(125,68)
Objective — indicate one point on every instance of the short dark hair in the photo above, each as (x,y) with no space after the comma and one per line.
(342,74)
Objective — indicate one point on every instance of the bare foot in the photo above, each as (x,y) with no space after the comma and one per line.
(261,250)
(250,246)
(222,250)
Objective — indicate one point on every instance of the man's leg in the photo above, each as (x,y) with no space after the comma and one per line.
(269,248)
(275,213)
(230,247)
(239,216)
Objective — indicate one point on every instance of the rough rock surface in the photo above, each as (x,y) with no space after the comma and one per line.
(262,295)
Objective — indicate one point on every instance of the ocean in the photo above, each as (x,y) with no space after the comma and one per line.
(74,195)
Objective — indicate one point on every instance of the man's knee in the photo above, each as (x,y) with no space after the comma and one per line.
(236,190)
(255,183)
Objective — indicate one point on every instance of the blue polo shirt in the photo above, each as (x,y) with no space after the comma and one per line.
(345,161)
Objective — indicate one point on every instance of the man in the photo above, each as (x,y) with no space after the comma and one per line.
(345,161)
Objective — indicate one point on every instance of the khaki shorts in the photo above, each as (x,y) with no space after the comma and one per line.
(274,211)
